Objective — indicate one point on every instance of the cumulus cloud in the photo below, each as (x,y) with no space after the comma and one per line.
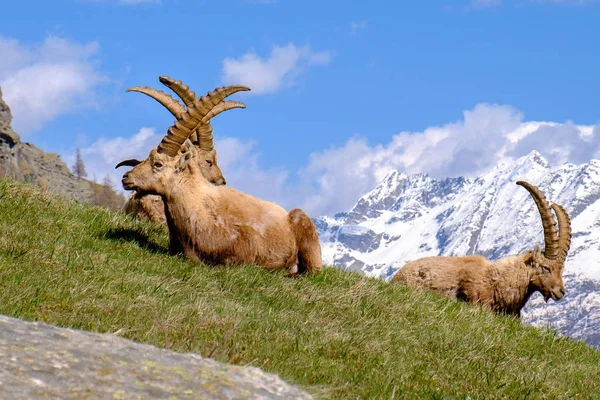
(486,135)
(41,82)
(101,156)
(332,180)
(237,159)
(269,75)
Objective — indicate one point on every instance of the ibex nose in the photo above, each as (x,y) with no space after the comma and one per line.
(557,293)
(221,181)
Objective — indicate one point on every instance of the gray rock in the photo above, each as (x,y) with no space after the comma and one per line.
(359,238)
(24,161)
(42,361)
(6,132)
(350,263)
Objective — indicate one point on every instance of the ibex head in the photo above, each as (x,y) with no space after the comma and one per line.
(202,138)
(158,172)
(547,266)
(155,174)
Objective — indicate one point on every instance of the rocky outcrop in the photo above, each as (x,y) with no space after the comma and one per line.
(26,162)
(41,361)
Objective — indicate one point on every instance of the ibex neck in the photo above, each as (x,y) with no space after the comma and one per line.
(513,284)
(188,184)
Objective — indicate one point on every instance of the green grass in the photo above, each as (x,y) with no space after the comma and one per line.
(336,335)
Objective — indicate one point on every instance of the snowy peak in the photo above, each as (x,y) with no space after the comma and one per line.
(404,195)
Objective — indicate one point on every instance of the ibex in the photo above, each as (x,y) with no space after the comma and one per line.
(151,206)
(217,224)
(505,285)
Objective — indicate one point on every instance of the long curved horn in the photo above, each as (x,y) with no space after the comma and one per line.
(167,101)
(202,137)
(216,96)
(192,119)
(205,138)
(214,100)
(182,90)
(548,221)
(132,162)
(564,230)
(163,98)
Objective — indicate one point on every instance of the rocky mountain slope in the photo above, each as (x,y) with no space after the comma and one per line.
(408,217)
(24,161)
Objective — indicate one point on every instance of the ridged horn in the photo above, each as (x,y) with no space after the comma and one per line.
(193,118)
(182,90)
(132,162)
(564,230)
(216,96)
(205,138)
(163,98)
(548,221)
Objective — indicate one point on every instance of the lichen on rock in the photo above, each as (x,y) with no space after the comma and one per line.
(43,361)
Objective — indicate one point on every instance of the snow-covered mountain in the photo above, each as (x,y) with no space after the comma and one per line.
(408,217)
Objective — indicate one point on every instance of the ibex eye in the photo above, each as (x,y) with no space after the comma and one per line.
(209,162)
(157,165)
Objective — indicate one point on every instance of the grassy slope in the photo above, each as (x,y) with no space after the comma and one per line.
(337,335)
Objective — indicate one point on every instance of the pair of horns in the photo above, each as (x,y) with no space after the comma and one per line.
(201,135)
(556,244)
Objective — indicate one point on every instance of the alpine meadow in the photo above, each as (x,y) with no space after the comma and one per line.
(268,199)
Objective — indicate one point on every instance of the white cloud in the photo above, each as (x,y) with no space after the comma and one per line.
(101,156)
(260,1)
(580,3)
(358,26)
(269,75)
(124,2)
(239,162)
(41,82)
(237,159)
(479,4)
(332,180)
(134,2)
(487,135)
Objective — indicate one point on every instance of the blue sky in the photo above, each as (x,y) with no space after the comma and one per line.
(343,92)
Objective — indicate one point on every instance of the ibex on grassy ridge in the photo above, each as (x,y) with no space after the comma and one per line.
(151,206)
(218,224)
(504,285)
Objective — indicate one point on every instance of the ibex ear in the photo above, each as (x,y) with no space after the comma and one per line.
(185,155)
(534,257)
(186,146)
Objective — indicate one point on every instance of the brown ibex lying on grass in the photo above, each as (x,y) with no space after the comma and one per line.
(150,206)
(504,285)
(218,224)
